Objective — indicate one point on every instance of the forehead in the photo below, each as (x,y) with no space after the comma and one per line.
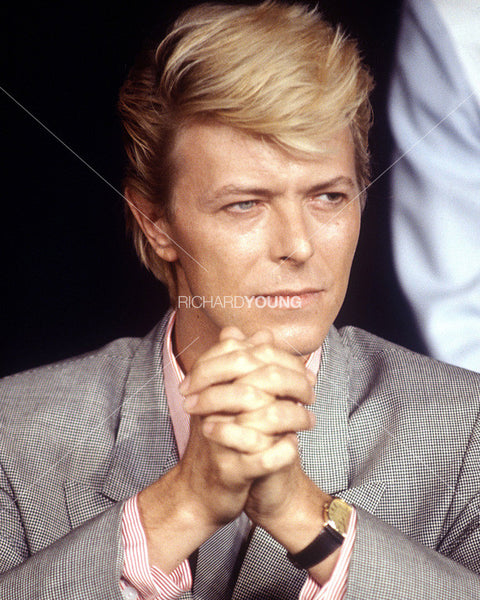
(213,154)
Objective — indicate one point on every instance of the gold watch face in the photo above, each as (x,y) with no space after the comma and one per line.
(339,512)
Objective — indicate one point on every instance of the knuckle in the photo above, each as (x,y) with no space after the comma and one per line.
(251,439)
(265,461)
(249,394)
(291,455)
(289,452)
(252,396)
(266,352)
(242,359)
(274,374)
(231,345)
(273,416)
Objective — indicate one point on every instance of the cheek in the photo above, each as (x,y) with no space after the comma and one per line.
(343,241)
(216,264)
(351,236)
(216,249)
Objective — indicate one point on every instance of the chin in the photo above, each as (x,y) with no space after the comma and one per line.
(300,340)
(299,332)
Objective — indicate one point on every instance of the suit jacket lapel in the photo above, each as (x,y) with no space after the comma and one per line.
(324,450)
(145,446)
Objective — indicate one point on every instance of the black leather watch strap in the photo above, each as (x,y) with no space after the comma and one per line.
(326,542)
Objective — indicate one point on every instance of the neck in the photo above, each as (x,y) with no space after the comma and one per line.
(191,338)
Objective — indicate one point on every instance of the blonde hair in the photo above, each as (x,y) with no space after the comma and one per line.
(274,70)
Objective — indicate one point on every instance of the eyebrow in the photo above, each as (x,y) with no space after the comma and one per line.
(239,190)
(340,181)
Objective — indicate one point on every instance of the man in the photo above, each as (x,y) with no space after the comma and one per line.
(246,136)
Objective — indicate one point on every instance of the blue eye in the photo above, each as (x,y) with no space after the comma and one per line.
(242,206)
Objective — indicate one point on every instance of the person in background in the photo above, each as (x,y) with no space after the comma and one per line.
(434,113)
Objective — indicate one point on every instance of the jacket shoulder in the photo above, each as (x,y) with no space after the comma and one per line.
(389,366)
(51,387)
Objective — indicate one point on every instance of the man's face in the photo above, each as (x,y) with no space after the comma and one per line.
(263,239)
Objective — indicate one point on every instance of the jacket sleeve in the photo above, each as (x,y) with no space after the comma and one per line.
(388,565)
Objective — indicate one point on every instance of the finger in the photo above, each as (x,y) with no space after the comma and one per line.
(271,355)
(311,376)
(232,338)
(265,350)
(281,382)
(280,417)
(263,336)
(233,436)
(219,369)
(227,398)
(224,346)
(279,455)
(231,332)
(231,359)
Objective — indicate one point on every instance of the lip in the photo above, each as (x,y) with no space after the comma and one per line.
(303,292)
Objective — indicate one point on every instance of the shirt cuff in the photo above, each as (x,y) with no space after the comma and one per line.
(150,583)
(336,586)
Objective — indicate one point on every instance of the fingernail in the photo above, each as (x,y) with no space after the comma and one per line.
(190,402)
(311,418)
(312,377)
(183,387)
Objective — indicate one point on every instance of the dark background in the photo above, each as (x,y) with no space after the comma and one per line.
(70,279)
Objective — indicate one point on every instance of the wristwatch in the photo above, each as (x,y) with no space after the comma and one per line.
(336,515)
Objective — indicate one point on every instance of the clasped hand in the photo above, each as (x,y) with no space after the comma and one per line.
(247,399)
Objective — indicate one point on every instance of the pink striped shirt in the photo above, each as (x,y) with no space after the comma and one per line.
(140,580)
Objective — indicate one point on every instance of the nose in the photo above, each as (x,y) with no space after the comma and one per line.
(292,238)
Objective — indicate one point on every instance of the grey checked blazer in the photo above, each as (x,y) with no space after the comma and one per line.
(397,435)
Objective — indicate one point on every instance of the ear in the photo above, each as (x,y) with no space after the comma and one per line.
(156,228)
